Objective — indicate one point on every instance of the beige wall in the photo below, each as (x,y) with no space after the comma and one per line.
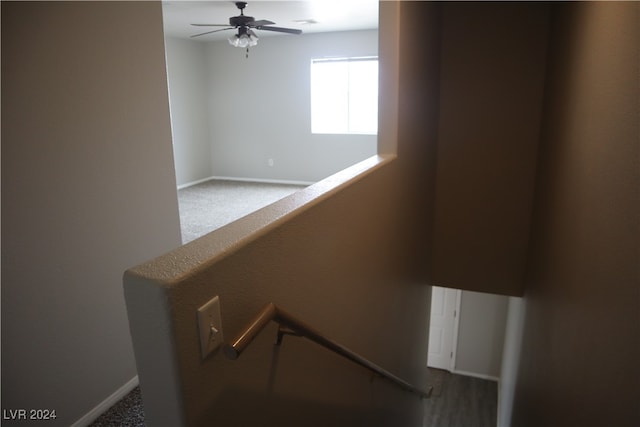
(579,364)
(88,190)
(491,86)
(346,255)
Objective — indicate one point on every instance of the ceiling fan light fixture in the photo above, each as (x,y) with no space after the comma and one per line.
(243,40)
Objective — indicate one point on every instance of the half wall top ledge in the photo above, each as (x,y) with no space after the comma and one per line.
(170,268)
(331,253)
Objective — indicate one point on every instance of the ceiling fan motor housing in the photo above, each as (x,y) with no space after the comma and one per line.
(241,21)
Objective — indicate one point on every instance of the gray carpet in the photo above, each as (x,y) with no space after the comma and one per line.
(212,204)
(127,412)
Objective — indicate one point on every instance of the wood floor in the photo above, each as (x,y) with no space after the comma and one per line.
(462,401)
(457,401)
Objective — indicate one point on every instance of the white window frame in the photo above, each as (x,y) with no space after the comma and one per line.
(346,119)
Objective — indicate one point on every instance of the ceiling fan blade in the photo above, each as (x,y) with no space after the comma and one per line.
(209,32)
(260,23)
(279,29)
(210,25)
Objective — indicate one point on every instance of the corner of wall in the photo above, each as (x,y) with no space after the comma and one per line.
(516,312)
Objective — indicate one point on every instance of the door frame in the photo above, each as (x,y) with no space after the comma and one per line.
(456,326)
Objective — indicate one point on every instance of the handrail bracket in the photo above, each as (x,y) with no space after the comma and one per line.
(283,330)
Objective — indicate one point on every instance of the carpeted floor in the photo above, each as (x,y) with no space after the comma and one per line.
(212,204)
(128,412)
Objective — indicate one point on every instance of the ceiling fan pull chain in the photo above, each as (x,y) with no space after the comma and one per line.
(247,54)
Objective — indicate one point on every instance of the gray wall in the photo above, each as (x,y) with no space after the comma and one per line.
(579,361)
(88,189)
(481,331)
(188,84)
(258,108)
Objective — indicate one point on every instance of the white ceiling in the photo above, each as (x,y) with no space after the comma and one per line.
(329,15)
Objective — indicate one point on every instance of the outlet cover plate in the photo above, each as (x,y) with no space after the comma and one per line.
(210,326)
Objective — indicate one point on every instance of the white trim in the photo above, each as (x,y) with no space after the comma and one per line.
(473,374)
(267,181)
(456,328)
(199,181)
(105,405)
(232,178)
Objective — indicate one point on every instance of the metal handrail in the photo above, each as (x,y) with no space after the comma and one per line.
(293,326)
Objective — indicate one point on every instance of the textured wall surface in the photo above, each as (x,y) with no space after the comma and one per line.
(491,88)
(88,190)
(582,333)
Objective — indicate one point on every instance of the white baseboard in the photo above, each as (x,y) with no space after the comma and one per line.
(267,181)
(104,406)
(475,375)
(199,181)
(233,178)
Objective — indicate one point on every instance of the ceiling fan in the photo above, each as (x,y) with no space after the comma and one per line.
(245,25)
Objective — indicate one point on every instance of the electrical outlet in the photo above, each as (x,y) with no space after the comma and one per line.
(210,326)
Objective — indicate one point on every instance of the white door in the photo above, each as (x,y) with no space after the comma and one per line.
(443,328)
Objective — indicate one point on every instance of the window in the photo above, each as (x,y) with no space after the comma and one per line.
(344,95)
